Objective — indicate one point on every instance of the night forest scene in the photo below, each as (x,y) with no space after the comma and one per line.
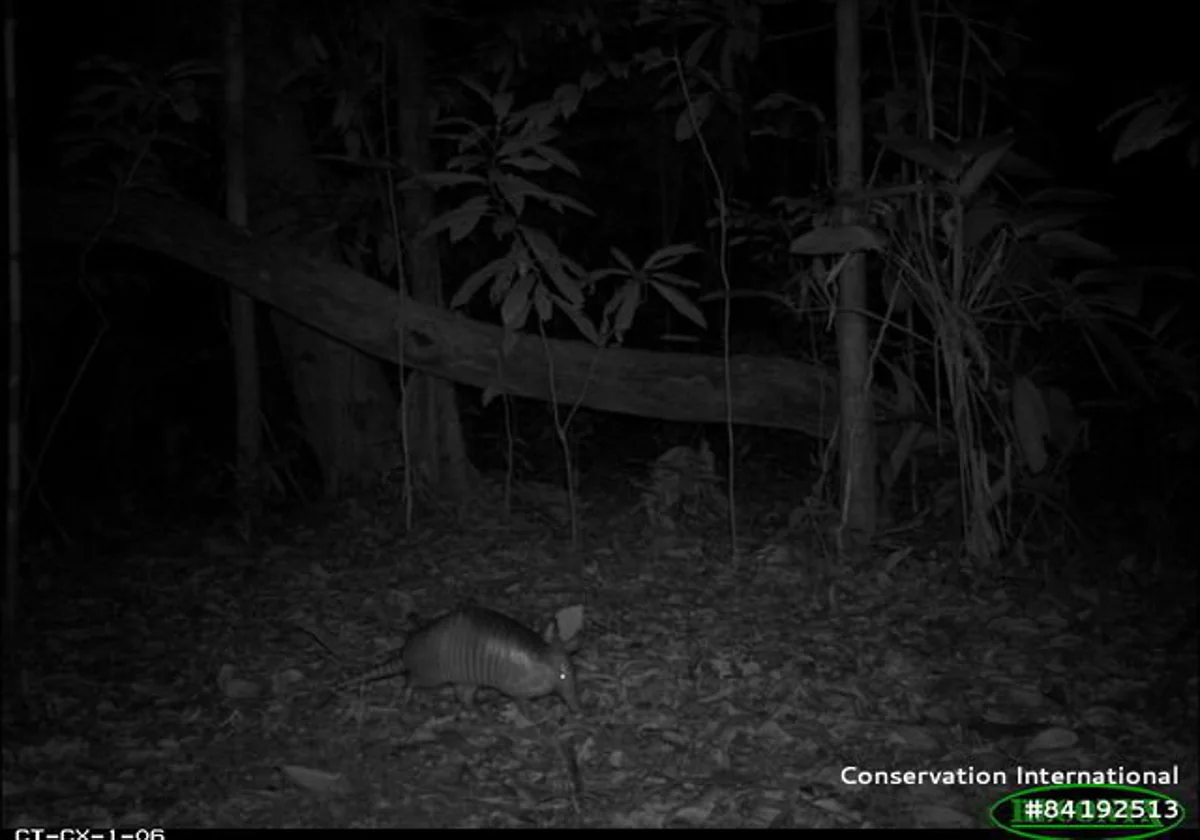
(602,414)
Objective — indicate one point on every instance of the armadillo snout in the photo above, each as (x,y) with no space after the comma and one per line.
(566,687)
(558,677)
(540,671)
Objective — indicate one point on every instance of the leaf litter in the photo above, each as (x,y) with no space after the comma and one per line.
(173,687)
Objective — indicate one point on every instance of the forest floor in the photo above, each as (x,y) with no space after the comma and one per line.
(185,682)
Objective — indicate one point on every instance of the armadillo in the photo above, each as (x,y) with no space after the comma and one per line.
(474,646)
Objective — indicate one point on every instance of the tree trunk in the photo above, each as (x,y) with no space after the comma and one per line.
(247,371)
(343,398)
(435,444)
(856,445)
(345,404)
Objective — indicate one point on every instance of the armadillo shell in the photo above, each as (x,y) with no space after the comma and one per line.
(474,646)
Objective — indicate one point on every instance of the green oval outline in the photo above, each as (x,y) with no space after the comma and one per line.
(1147,792)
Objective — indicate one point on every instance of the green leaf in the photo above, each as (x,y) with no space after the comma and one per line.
(1113,291)
(567,98)
(630,300)
(1032,422)
(594,277)
(675,280)
(517,189)
(981,220)
(566,285)
(836,240)
(472,85)
(926,153)
(668,256)
(623,261)
(519,144)
(1041,221)
(699,112)
(696,51)
(1069,195)
(528,163)
(547,254)
(982,167)
(581,323)
(477,279)
(467,163)
(680,303)
(501,104)
(1066,244)
(515,309)
(460,222)
(1149,127)
(558,159)
(441,180)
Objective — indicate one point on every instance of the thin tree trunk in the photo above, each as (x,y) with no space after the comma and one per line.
(248,383)
(343,398)
(856,445)
(436,448)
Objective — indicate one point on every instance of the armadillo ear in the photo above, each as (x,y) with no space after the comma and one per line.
(565,626)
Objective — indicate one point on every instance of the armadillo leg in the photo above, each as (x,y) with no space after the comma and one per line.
(466,694)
